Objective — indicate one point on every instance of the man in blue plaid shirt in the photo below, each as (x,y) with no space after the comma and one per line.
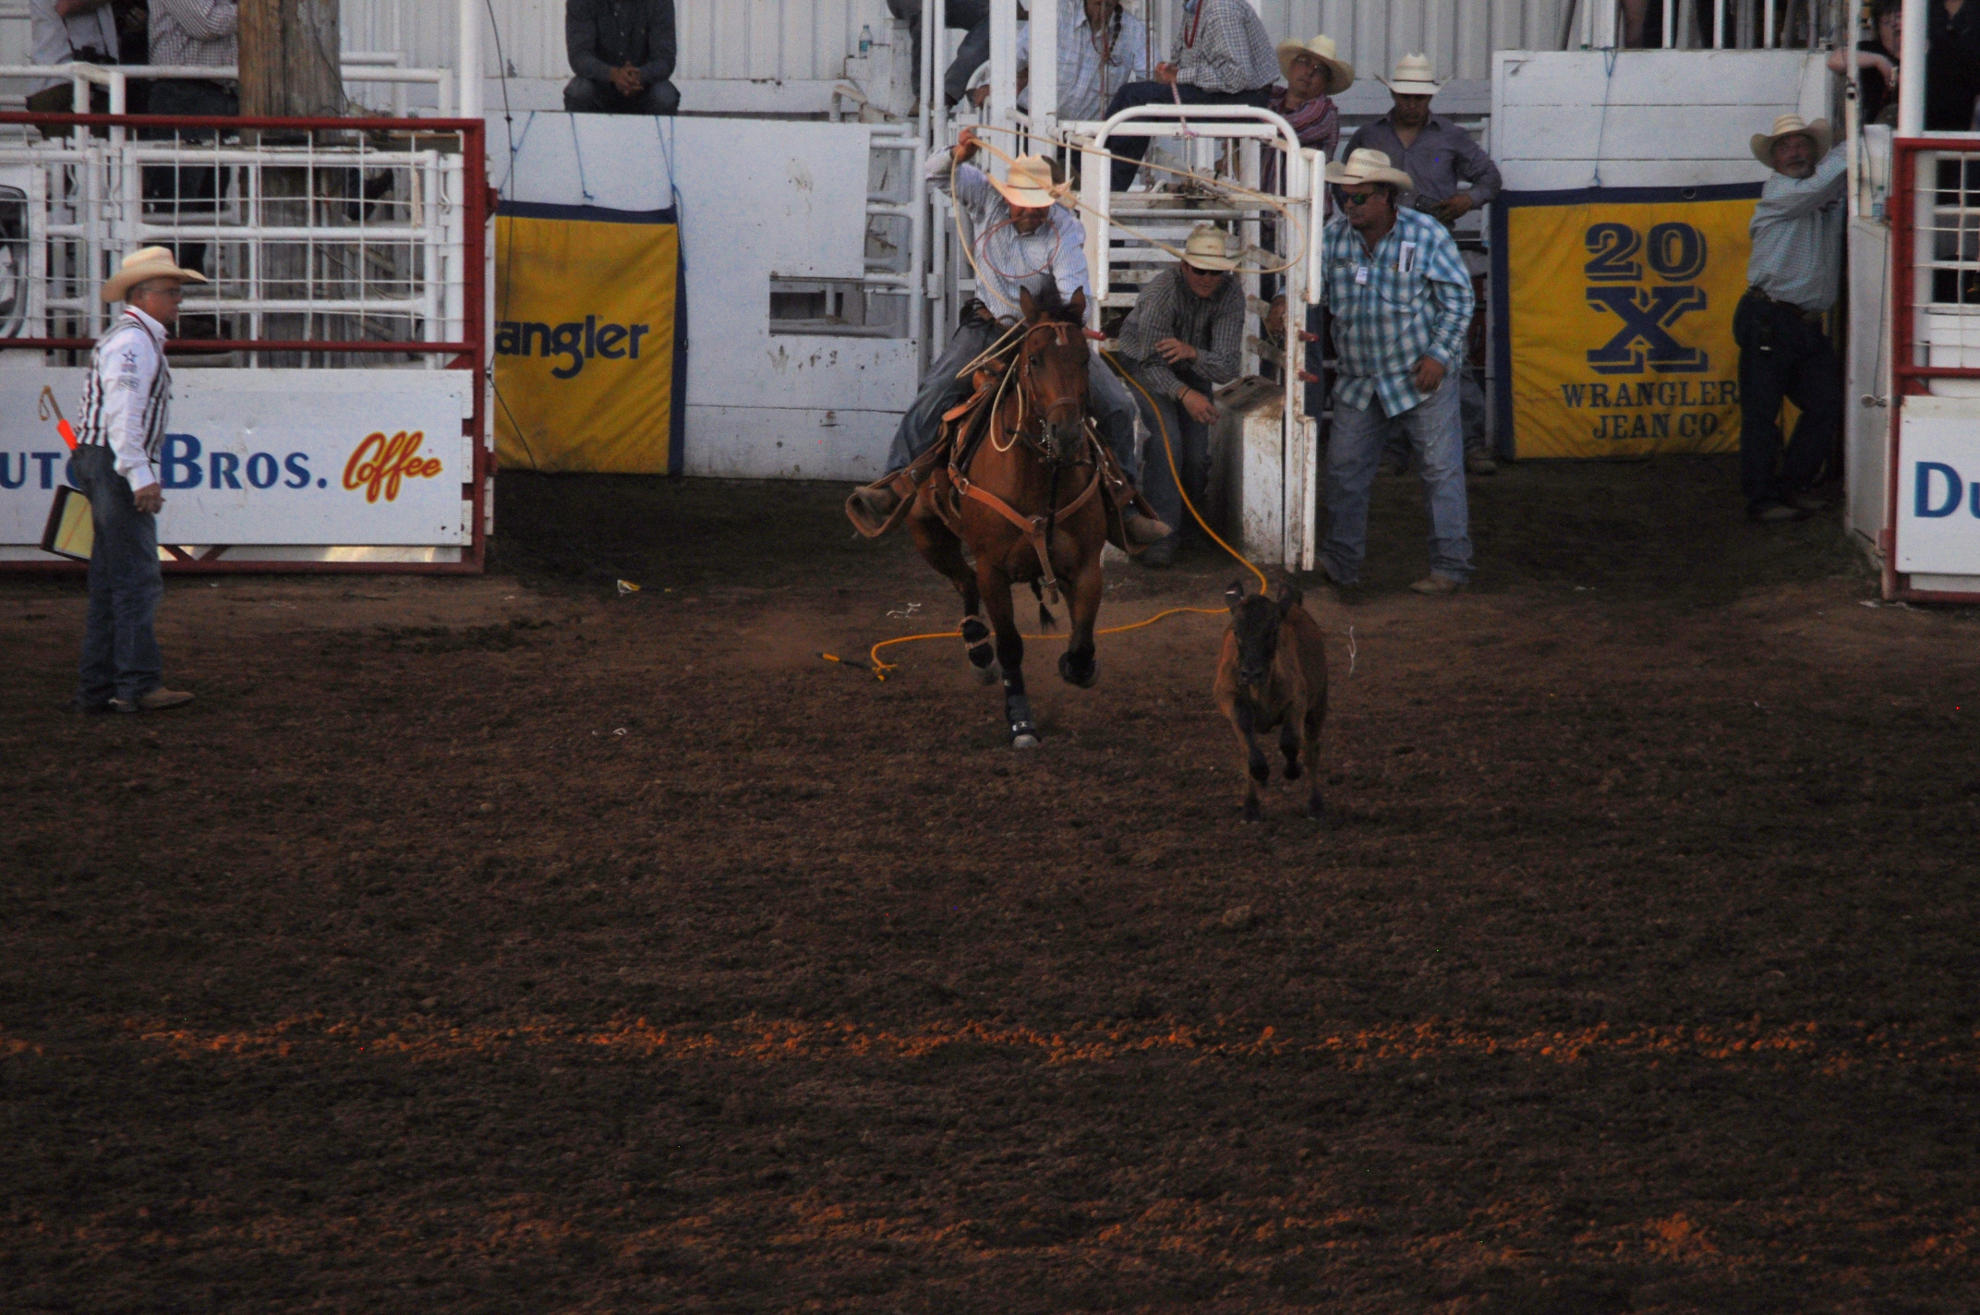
(1400,300)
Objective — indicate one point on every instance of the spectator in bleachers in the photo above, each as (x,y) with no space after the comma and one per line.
(1952,65)
(1876,64)
(204,34)
(65,32)
(623,53)
(1102,47)
(1314,76)
(973,16)
(1221,55)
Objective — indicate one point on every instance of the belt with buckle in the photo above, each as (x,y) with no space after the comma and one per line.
(1801,312)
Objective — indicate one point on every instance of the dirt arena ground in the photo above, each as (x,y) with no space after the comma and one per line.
(510,944)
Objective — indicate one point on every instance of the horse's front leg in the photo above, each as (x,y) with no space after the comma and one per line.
(996,591)
(1077,664)
(944,552)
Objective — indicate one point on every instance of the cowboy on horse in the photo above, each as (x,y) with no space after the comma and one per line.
(1023,239)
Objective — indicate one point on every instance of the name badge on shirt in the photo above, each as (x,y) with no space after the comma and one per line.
(1406,260)
(1361,276)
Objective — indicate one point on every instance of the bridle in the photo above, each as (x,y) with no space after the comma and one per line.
(1065,335)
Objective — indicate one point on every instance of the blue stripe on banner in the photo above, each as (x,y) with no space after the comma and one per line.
(596,214)
(1630,195)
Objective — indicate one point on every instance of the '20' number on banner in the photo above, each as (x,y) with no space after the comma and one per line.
(1674,253)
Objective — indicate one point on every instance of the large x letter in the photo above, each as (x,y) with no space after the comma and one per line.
(1646,318)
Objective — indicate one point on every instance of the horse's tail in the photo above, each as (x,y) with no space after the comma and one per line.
(1045,618)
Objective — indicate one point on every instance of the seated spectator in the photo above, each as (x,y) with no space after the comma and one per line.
(1101,48)
(623,53)
(1952,64)
(68,32)
(1876,64)
(1313,78)
(973,16)
(1221,55)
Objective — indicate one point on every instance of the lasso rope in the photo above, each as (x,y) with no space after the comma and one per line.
(879,667)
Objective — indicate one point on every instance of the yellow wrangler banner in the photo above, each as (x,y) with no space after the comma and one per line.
(1613,323)
(589,347)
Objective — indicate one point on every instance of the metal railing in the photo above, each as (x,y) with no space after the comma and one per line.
(345,240)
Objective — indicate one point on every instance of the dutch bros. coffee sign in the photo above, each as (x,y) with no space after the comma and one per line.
(1938,488)
(272,457)
(1616,332)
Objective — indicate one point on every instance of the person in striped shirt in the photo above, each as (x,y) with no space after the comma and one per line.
(1401,301)
(1102,48)
(125,402)
(1184,336)
(1221,55)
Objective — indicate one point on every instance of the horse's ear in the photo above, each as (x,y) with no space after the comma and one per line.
(1289,596)
(1234,596)
(1027,304)
(1076,308)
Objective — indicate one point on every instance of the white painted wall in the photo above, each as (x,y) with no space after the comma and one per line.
(1645,118)
(757,198)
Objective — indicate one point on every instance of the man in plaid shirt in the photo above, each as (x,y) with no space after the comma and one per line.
(1401,301)
(1221,55)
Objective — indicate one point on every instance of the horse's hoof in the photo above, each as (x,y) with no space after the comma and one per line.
(1072,676)
(989,675)
(1024,736)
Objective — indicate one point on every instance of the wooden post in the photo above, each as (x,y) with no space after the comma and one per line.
(290,52)
(290,62)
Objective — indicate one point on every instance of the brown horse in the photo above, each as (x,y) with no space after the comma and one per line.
(1024,504)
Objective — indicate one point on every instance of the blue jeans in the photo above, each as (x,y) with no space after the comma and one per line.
(1107,399)
(1354,449)
(120,653)
(1190,440)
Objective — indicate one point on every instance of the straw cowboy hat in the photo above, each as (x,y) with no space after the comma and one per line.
(1786,126)
(1413,77)
(1209,247)
(1369,166)
(142,264)
(1340,73)
(1030,184)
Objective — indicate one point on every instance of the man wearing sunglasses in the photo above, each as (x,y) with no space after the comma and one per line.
(1401,301)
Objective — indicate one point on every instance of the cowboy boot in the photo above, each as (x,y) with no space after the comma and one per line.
(1134,525)
(870,506)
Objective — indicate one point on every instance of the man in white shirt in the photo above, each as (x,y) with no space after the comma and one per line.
(124,407)
(69,32)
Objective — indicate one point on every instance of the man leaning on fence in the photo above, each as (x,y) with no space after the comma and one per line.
(125,403)
(623,53)
(1784,350)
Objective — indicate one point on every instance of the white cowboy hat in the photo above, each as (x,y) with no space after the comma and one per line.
(1209,247)
(1413,77)
(1786,126)
(146,263)
(1340,73)
(1369,166)
(1030,184)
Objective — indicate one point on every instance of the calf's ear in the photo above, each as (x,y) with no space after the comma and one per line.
(1289,597)
(1234,596)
